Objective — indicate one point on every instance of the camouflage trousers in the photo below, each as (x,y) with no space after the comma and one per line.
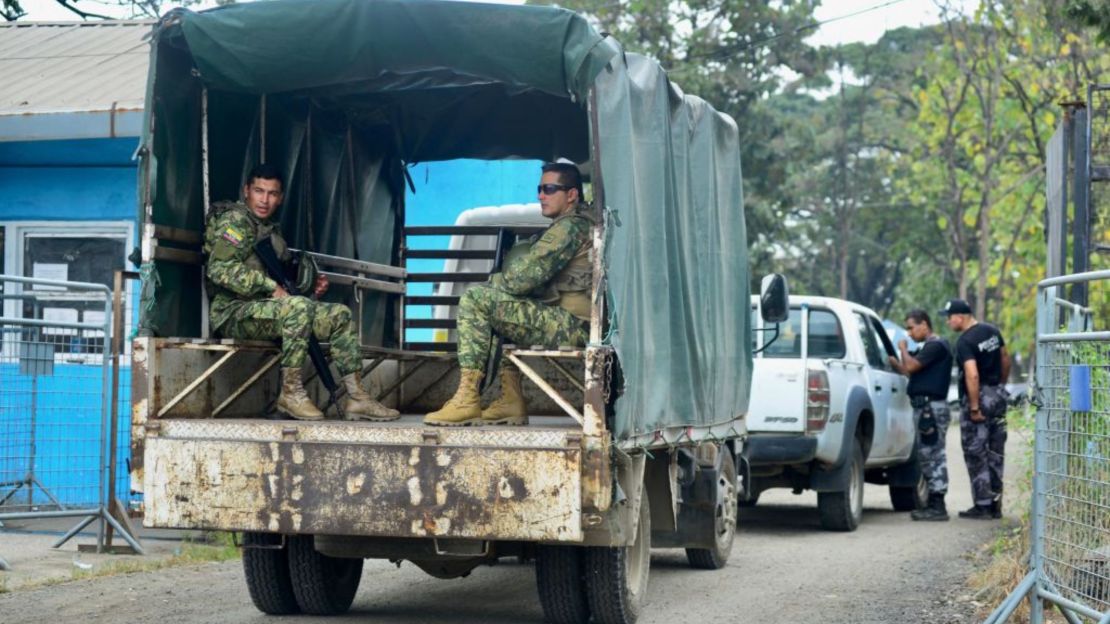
(484,310)
(290,319)
(984,453)
(933,458)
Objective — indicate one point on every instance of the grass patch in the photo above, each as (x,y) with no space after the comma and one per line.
(211,547)
(1004,561)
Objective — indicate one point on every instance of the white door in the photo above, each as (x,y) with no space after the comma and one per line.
(899,412)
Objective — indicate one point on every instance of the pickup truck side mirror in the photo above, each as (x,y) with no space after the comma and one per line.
(774,299)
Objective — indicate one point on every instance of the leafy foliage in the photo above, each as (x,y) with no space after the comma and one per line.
(899,173)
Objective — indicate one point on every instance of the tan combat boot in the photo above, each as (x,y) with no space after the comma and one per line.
(509,408)
(293,400)
(464,408)
(359,405)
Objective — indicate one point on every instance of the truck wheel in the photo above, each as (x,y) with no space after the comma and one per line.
(559,578)
(617,578)
(724,521)
(323,585)
(910,498)
(266,567)
(842,511)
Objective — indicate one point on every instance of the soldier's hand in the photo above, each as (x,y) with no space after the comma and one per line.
(279,292)
(976,416)
(902,344)
(321,285)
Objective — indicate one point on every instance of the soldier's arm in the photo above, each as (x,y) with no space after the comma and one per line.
(230,244)
(544,260)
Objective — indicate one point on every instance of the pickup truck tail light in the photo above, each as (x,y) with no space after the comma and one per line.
(817,401)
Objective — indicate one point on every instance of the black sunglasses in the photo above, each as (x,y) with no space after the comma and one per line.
(551,189)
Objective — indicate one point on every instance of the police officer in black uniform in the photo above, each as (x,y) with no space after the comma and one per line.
(930,370)
(984,367)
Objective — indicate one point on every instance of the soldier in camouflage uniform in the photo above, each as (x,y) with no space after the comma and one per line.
(247,303)
(930,372)
(540,299)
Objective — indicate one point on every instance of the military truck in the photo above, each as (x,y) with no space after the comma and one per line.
(633,440)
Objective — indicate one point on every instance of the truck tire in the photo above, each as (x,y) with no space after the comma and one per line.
(843,510)
(266,568)
(617,578)
(724,521)
(561,584)
(910,498)
(323,585)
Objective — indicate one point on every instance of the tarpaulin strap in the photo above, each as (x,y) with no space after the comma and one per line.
(150,283)
(611,219)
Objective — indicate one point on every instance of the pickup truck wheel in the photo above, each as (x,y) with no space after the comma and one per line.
(560,581)
(842,511)
(323,585)
(910,498)
(724,521)
(617,578)
(266,567)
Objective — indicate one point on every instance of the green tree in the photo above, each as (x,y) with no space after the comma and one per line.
(987,110)
(735,54)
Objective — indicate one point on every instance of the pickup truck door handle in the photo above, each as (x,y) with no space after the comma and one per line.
(878,388)
(894,389)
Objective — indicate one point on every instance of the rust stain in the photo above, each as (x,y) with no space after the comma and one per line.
(355,483)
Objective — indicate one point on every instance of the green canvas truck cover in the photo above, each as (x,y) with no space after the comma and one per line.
(344,93)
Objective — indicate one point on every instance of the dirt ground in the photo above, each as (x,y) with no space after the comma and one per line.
(783,568)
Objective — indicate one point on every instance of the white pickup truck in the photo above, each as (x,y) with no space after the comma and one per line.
(829,413)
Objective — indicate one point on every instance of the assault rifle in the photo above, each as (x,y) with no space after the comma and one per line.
(268,255)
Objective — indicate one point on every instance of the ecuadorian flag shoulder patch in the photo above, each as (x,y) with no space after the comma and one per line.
(233,236)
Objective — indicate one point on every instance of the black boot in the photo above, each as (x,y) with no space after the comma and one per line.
(933,511)
(996,508)
(978,512)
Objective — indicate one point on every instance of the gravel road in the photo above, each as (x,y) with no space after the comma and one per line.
(783,568)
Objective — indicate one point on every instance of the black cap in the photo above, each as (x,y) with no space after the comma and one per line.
(955,306)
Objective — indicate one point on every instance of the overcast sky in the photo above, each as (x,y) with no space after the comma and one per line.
(867,20)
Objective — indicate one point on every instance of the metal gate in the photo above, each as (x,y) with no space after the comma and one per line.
(1070,559)
(55,403)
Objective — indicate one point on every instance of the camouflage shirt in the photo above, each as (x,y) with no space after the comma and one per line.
(235,274)
(541,273)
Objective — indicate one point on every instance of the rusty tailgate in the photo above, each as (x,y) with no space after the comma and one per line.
(332,478)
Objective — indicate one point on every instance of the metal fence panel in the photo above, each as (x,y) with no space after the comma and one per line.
(55,401)
(1075,474)
(53,397)
(1070,563)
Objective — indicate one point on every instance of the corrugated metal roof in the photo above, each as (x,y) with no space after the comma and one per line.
(57,67)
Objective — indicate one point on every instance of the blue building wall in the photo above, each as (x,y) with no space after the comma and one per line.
(81,180)
(63,181)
